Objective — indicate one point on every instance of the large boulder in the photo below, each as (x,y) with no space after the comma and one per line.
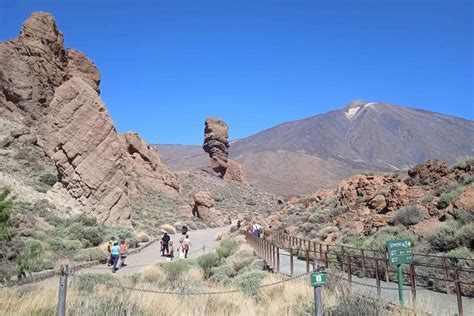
(466,200)
(216,144)
(203,207)
(235,172)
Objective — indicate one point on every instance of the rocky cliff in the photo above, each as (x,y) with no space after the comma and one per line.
(52,94)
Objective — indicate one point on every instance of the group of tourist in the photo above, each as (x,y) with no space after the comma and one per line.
(117,251)
(167,246)
(255,229)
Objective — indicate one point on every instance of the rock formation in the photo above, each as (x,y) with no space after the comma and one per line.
(216,144)
(203,207)
(56,93)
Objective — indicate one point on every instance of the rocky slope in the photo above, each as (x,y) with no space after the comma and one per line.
(429,199)
(302,156)
(51,96)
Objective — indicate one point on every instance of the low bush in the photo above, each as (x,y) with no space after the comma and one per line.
(87,281)
(207,262)
(220,278)
(174,269)
(49,179)
(463,217)
(226,248)
(225,269)
(325,231)
(408,215)
(447,197)
(249,282)
(465,236)
(427,199)
(153,273)
(317,217)
(338,210)
(90,254)
(378,240)
(444,238)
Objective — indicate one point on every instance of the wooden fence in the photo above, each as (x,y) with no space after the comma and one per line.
(438,273)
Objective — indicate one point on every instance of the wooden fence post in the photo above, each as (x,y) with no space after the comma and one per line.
(377,279)
(387,277)
(307,261)
(413,285)
(349,270)
(363,262)
(291,262)
(458,291)
(342,259)
(61,310)
(278,259)
(446,275)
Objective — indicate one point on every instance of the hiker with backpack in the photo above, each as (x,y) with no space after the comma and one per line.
(115,253)
(171,250)
(123,252)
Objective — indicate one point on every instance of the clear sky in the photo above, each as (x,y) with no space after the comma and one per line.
(166,65)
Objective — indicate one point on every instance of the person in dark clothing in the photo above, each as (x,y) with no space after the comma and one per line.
(166,239)
(184,230)
(238,224)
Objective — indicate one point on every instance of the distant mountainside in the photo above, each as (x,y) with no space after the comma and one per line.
(304,155)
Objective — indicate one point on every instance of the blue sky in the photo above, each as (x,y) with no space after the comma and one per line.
(166,65)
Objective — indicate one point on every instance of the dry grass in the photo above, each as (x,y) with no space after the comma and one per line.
(153,273)
(170,229)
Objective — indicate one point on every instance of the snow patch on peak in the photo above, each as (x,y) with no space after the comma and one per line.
(351,112)
(370,104)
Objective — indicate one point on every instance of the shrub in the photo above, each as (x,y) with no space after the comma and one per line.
(86,282)
(378,240)
(249,282)
(447,197)
(465,236)
(338,210)
(207,262)
(462,216)
(90,254)
(317,217)
(411,181)
(153,273)
(6,207)
(220,278)
(168,228)
(49,179)
(325,231)
(174,269)
(226,248)
(408,215)
(27,258)
(70,245)
(225,269)
(427,199)
(239,262)
(444,238)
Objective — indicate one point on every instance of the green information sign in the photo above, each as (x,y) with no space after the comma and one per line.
(318,278)
(399,251)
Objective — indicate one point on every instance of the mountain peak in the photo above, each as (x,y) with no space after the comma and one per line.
(355,107)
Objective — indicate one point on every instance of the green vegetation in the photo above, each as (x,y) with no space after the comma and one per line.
(226,247)
(6,207)
(378,240)
(448,196)
(207,262)
(451,236)
(408,215)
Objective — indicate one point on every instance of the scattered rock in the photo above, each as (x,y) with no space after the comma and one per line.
(203,207)
(430,170)
(465,200)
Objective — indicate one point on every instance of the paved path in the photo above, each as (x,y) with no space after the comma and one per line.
(137,262)
(432,302)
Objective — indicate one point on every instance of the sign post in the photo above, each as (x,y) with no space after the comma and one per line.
(399,252)
(318,278)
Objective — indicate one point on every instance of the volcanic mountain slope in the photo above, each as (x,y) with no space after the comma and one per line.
(301,156)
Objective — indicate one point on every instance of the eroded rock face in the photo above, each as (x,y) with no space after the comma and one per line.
(235,172)
(55,93)
(81,138)
(203,207)
(147,166)
(216,144)
(430,170)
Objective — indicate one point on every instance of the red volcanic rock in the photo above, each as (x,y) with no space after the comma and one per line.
(216,144)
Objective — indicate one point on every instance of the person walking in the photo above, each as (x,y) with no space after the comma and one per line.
(123,252)
(239,224)
(186,246)
(184,229)
(171,250)
(115,252)
(166,239)
(109,251)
